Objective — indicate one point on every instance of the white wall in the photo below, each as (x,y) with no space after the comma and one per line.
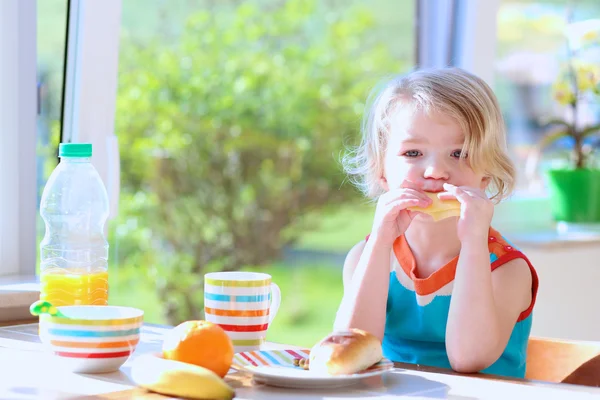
(569,292)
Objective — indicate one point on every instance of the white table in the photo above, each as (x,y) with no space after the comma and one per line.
(26,373)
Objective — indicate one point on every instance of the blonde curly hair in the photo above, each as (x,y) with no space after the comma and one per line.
(453,92)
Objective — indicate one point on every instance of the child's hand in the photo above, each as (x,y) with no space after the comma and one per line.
(476,211)
(391,216)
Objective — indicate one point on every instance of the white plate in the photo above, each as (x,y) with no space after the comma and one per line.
(276,368)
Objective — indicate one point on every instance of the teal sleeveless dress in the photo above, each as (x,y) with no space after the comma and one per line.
(417,311)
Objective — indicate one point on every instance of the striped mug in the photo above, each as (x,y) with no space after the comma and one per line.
(243,304)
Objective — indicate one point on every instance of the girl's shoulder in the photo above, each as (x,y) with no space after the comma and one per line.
(502,250)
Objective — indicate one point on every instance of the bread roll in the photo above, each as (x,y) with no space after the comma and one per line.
(439,209)
(348,352)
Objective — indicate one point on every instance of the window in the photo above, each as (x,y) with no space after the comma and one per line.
(32,107)
(229,119)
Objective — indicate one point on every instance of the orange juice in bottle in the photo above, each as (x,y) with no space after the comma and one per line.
(63,287)
(74,251)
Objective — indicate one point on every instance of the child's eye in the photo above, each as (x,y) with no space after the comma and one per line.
(458,154)
(412,153)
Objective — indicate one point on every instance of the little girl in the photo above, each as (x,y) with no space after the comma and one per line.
(448,293)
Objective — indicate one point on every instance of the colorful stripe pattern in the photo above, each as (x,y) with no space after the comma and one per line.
(95,334)
(239,283)
(285,358)
(238,299)
(91,322)
(94,339)
(241,308)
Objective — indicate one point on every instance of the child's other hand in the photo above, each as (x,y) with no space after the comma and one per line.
(391,216)
(476,211)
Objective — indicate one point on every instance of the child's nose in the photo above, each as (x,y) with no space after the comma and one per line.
(436,170)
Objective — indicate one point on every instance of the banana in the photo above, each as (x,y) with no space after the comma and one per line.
(175,378)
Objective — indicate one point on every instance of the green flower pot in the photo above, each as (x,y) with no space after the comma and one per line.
(575,195)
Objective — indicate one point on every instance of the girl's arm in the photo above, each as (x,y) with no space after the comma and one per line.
(367,266)
(366,280)
(485,307)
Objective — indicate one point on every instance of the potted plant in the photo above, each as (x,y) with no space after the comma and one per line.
(574,186)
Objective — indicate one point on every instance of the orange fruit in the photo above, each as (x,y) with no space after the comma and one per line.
(201,343)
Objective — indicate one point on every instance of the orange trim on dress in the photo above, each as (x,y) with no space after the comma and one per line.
(443,276)
(496,244)
(423,286)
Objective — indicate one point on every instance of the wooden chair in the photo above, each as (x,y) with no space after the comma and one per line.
(557,360)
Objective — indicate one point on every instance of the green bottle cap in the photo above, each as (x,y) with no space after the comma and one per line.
(75,150)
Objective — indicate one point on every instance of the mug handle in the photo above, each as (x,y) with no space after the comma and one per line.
(275,302)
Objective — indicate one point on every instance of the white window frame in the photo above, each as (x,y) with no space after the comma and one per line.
(476,33)
(91,86)
(18,105)
(460,33)
(434,33)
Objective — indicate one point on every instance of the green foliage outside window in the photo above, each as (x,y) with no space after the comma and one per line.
(232,134)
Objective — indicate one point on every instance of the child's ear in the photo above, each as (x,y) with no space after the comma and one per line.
(384,183)
(485,182)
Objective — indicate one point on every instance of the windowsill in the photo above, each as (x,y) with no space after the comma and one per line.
(526,220)
(550,239)
(17,293)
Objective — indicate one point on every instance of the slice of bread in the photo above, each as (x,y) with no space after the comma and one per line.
(439,209)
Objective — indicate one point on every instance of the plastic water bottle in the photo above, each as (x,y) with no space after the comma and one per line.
(74,251)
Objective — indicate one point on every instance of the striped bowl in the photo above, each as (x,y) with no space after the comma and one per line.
(92,339)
